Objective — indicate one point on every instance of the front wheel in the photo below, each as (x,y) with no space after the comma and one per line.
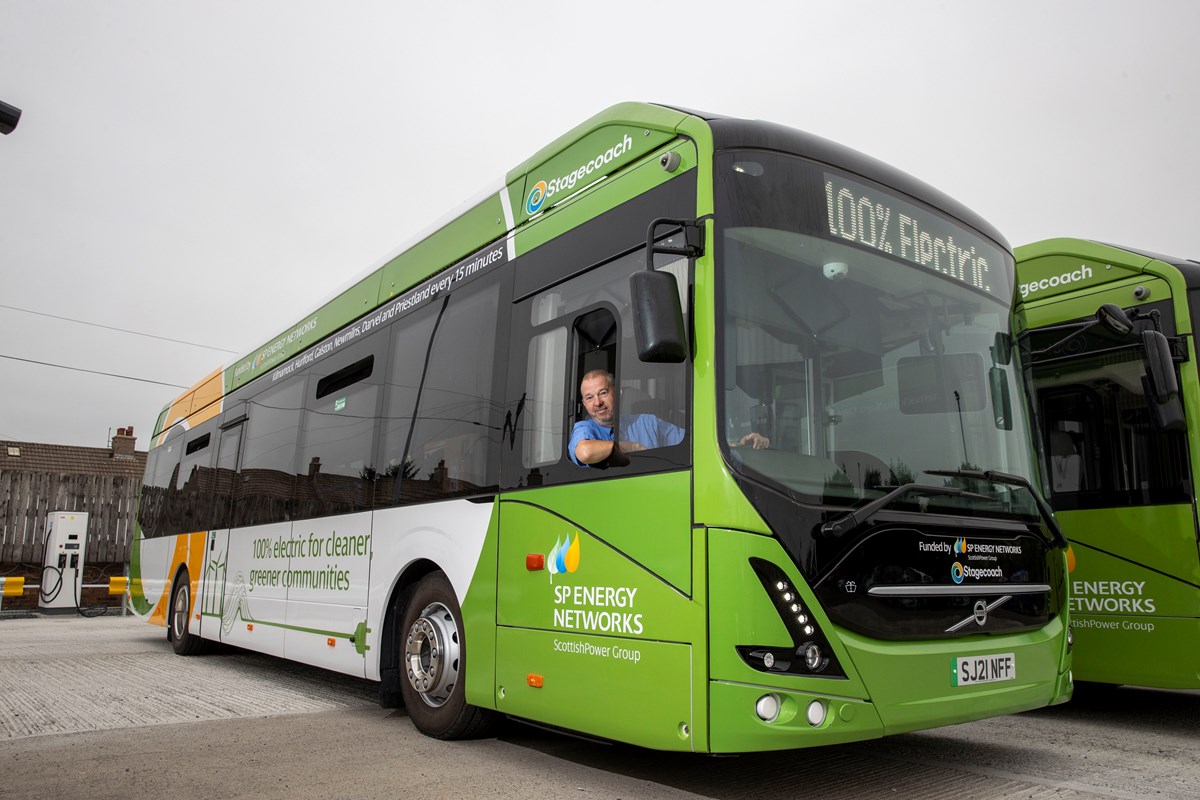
(433,664)
(184,643)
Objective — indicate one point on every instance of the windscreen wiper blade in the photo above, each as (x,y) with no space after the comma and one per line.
(848,522)
(1008,479)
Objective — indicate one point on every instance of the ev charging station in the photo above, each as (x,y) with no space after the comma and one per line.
(62,566)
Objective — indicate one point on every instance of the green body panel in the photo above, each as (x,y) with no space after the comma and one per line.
(479,620)
(1153,539)
(1115,275)
(644,606)
(632,691)
(595,200)
(1134,570)
(476,227)
(1135,601)
(1059,266)
(1052,311)
(718,501)
(647,127)
(911,683)
(601,616)
(737,729)
(657,537)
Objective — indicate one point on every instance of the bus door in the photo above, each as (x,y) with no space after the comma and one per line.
(216,555)
(261,542)
(1122,489)
(595,567)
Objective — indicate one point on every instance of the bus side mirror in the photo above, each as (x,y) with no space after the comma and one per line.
(1160,368)
(1113,319)
(1001,399)
(657,318)
(1002,348)
(1160,384)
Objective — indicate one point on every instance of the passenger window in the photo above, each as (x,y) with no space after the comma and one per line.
(544,399)
(157,507)
(266,490)
(337,469)
(441,420)
(194,495)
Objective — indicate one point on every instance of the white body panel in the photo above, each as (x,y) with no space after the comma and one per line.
(291,588)
(450,534)
(156,557)
(254,607)
(327,593)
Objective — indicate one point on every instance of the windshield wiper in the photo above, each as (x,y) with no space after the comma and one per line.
(1008,479)
(844,524)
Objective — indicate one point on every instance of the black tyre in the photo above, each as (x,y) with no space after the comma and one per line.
(184,643)
(433,658)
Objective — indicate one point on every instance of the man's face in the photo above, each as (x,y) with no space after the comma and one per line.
(598,399)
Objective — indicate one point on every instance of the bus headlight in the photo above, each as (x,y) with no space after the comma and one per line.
(813,658)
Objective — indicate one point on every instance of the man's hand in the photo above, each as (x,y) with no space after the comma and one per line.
(631,447)
(756,440)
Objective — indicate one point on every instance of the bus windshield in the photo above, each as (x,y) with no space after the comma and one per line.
(866,338)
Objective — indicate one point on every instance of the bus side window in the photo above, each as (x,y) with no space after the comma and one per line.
(336,464)
(441,430)
(162,468)
(195,487)
(267,476)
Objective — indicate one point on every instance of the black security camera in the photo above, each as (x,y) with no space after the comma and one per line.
(9,117)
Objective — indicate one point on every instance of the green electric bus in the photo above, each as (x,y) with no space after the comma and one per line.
(835,537)
(1109,337)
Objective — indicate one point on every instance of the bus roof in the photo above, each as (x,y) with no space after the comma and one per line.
(1054,267)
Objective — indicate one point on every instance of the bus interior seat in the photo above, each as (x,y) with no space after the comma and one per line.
(1066,464)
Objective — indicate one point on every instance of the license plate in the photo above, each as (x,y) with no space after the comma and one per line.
(970,670)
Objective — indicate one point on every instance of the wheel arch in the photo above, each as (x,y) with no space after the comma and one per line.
(389,653)
(180,570)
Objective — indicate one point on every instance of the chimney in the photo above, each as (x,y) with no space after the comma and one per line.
(123,443)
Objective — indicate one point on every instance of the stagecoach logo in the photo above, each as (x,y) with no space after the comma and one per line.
(537,196)
(564,556)
(544,190)
(958,572)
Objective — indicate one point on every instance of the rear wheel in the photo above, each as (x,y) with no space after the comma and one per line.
(184,643)
(433,664)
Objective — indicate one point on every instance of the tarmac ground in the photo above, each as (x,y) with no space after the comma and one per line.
(103,708)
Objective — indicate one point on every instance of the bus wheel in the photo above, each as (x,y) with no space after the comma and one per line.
(184,643)
(433,661)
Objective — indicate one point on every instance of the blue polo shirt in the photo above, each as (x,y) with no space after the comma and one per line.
(646,429)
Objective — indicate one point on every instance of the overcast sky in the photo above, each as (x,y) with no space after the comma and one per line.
(210,171)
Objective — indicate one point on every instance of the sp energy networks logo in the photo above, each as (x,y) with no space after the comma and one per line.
(960,546)
(564,556)
(544,190)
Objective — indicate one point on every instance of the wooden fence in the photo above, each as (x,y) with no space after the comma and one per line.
(26,497)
